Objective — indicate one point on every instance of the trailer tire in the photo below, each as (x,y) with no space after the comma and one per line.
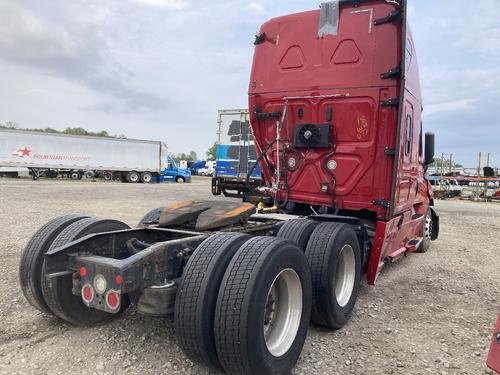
(426,233)
(107,176)
(30,267)
(263,308)
(57,291)
(146,177)
(334,258)
(298,231)
(75,175)
(197,297)
(180,179)
(133,177)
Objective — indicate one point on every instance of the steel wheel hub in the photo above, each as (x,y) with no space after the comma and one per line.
(283,312)
(345,275)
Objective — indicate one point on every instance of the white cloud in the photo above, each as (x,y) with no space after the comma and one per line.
(171,4)
(22,33)
(451,106)
(256,7)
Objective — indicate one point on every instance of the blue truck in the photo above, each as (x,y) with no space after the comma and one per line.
(172,173)
(235,155)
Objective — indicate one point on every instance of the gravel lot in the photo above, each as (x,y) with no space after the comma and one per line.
(430,313)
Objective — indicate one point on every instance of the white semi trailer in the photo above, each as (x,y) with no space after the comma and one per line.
(48,154)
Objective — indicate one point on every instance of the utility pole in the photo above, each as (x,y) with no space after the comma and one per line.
(451,163)
(478,176)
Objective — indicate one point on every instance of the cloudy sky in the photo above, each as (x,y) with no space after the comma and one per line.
(160,69)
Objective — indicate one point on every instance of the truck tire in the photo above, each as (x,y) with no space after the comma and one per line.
(75,175)
(146,177)
(426,233)
(334,258)
(89,174)
(133,177)
(298,231)
(30,267)
(152,217)
(107,176)
(180,179)
(263,308)
(197,296)
(57,291)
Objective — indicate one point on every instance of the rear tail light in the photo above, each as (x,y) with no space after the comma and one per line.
(113,299)
(292,163)
(331,165)
(82,271)
(100,284)
(118,279)
(87,293)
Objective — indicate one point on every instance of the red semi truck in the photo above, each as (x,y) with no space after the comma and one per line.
(336,113)
(493,361)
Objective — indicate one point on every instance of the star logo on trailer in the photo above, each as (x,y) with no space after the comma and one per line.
(22,152)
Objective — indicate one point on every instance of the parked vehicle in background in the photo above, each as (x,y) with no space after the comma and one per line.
(52,155)
(493,361)
(208,169)
(197,166)
(173,173)
(12,172)
(235,155)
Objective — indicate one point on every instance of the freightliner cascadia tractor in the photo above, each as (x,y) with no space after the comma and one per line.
(336,112)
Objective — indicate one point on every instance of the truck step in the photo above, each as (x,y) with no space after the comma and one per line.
(414,244)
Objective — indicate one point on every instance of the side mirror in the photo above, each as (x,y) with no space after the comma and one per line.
(429,148)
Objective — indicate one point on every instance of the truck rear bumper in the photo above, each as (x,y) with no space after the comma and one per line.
(233,187)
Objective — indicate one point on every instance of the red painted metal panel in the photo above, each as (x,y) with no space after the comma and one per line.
(494,353)
(298,70)
(299,78)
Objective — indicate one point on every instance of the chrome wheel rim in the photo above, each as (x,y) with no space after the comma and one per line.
(283,312)
(427,228)
(345,275)
(147,178)
(134,178)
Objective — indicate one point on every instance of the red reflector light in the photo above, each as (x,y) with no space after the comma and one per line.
(83,271)
(113,300)
(87,293)
(118,279)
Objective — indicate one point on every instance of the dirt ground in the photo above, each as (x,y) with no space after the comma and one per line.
(430,313)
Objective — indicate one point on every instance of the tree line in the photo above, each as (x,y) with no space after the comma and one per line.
(68,130)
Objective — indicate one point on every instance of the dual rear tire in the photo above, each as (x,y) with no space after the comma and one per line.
(53,296)
(244,304)
(334,258)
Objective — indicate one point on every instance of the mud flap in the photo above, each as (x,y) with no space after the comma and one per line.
(435,224)
(206,215)
(494,353)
